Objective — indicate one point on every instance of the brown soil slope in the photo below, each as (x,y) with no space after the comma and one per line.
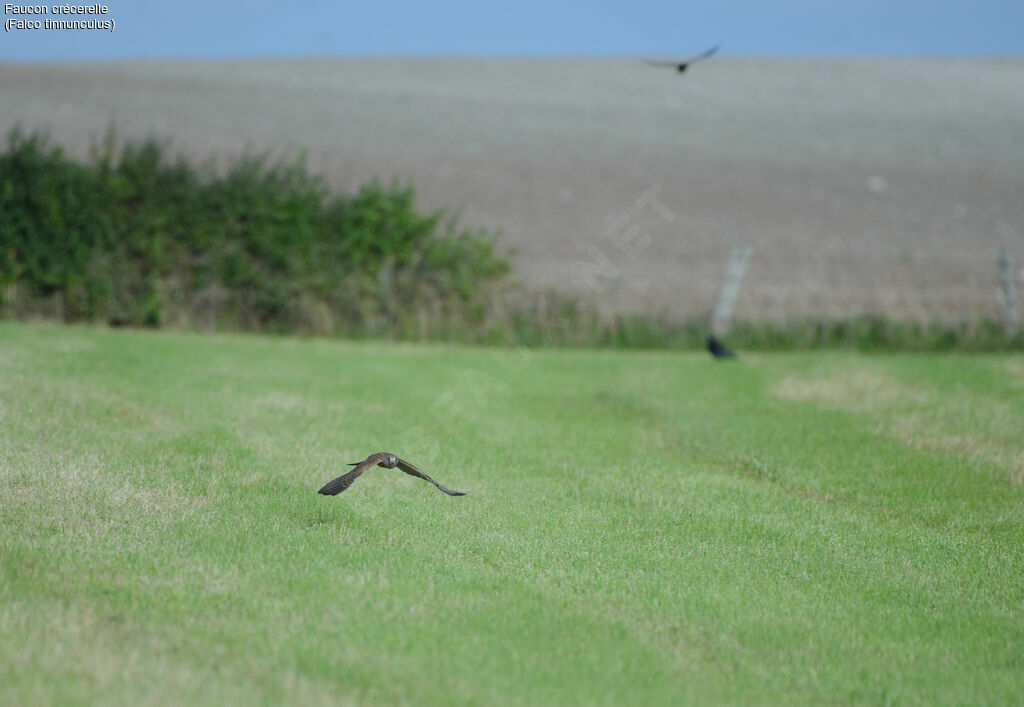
(862,185)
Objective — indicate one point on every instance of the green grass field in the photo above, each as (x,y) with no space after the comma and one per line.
(641,528)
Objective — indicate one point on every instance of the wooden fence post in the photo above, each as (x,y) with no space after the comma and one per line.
(1009,291)
(721,316)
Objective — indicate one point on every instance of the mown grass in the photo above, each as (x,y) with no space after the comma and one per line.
(641,528)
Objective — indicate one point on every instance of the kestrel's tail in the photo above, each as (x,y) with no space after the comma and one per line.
(333,488)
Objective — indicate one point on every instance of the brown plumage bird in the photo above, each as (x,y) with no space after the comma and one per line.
(681,66)
(386,460)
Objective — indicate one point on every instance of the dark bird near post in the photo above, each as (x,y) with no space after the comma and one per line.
(386,460)
(681,66)
(716,349)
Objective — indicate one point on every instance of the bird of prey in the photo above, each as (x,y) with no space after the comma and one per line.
(681,66)
(386,460)
(716,349)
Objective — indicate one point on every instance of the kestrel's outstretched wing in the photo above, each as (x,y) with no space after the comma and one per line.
(413,471)
(333,488)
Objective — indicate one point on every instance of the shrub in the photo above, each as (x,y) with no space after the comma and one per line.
(134,238)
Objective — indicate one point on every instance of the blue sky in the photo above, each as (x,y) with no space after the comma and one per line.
(218,28)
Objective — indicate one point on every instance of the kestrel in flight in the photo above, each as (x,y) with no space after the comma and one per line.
(386,460)
(680,66)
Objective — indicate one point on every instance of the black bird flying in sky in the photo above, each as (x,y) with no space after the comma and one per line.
(681,66)
(386,460)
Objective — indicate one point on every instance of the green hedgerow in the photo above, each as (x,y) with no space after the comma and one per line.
(134,238)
